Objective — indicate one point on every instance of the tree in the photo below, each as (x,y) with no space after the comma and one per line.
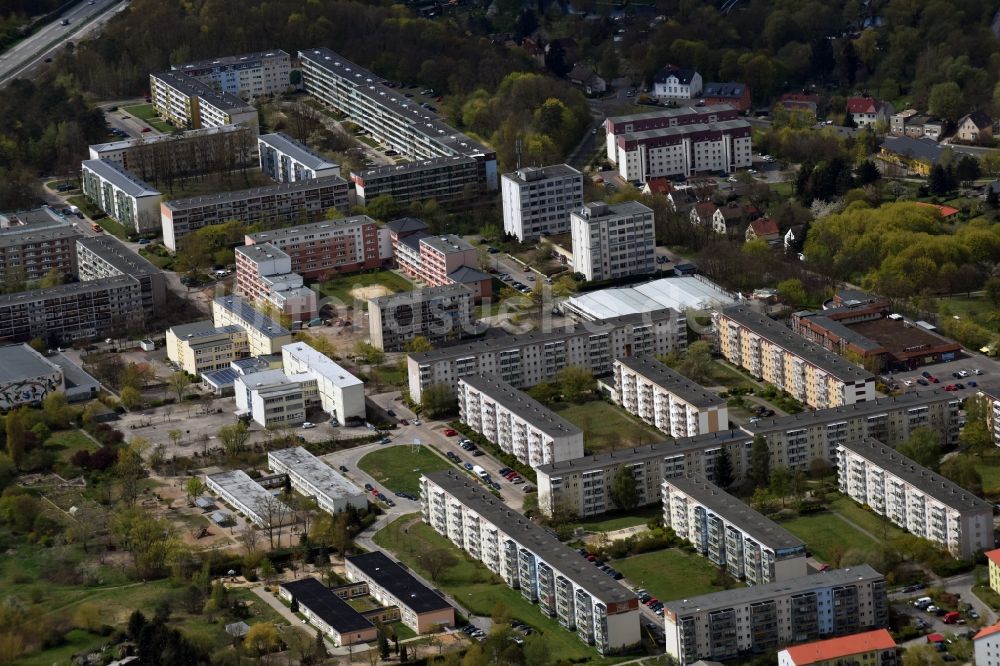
(544,392)
(419,344)
(867,173)
(967,169)
(136,623)
(992,287)
(438,400)
(382,207)
(793,292)
(962,471)
(131,398)
(273,512)
(723,469)
(436,561)
(234,437)
(946,101)
(576,382)
(249,538)
(781,483)
(16,436)
(262,638)
(193,488)
(624,492)
(128,469)
(923,447)
(922,655)
(760,462)
(179,383)
(319,650)
(299,643)
(938,182)
(383,642)
(696,362)
(369,353)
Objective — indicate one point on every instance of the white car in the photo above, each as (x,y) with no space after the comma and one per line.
(963,373)
(308,424)
(907,382)
(977,371)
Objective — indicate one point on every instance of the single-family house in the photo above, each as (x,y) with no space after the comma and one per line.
(799,102)
(974,126)
(736,95)
(702,214)
(674,82)
(659,185)
(795,237)
(728,220)
(534,50)
(866,111)
(682,200)
(586,78)
(763,228)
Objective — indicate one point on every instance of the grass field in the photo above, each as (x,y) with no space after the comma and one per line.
(723,374)
(826,534)
(866,520)
(670,574)
(147,113)
(340,288)
(399,467)
(639,516)
(975,307)
(90,210)
(607,427)
(67,442)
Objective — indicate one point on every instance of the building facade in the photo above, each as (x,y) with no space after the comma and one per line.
(341,394)
(438,314)
(249,75)
(326,611)
(537,201)
(868,648)
(274,399)
(264,335)
(202,347)
(285,160)
(251,499)
(121,195)
(103,256)
(421,609)
(310,476)
(673,82)
(438,260)
(449,181)
(264,277)
(987,646)
(30,251)
(190,104)
(613,240)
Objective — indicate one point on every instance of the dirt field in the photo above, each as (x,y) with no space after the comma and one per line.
(371,291)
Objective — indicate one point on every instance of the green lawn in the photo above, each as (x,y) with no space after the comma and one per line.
(670,574)
(975,307)
(607,427)
(84,204)
(723,374)
(477,588)
(341,287)
(90,210)
(214,183)
(826,534)
(783,190)
(158,260)
(68,442)
(866,520)
(147,113)
(77,641)
(639,516)
(399,467)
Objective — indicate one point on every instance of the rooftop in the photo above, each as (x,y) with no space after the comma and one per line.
(522,404)
(21,362)
(245,490)
(596,210)
(468,274)
(414,166)
(446,243)
(683,75)
(531,536)
(120,178)
(73,375)
(398,581)
(728,89)
(327,606)
(288,234)
(923,148)
(321,364)
(316,472)
(70,289)
(114,252)
(229,60)
(671,113)
(669,380)
(201,329)
(679,293)
(533,174)
(296,150)
(683,130)
(194,88)
(418,295)
(407,225)
(277,189)
(261,252)
(145,139)
(250,316)
(22,235)
(987,631)
(834,649)
(16,222)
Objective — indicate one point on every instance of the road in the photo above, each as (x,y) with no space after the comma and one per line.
(25,57)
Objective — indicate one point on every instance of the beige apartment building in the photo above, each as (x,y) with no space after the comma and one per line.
(264,335)
(203,347)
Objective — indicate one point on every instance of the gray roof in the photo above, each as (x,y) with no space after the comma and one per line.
(70,289)
(115,253)
(923,479)
(120,178)
(833,364)
(532,536)
(276,236)
(684,130)
(255,192)
(683,74)
(245,490)
(17,221)
(767,532)
(201,329)
(261,252)
(407,224)
(842,331)
(446,243)
(146,139)
(467,274)
(316,472)
(193,87)
(922,148)
(419,295)
(671,113)
(298,151)
(74,375)
(229,60)
(20,362)
(746,595)
(730,89)
(252,315)
(36,234)
(399,582)
(672,381)
(600,209)
(535,174)
(522,404)
(430,164)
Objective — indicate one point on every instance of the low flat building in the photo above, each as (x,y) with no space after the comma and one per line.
(421,609)
(694,292)
(264,335)
(341,394)
(285,160)
(872,648)
(26,377)
(612,241)
(125,198)
(537,201)
(202,346)
(313,478)
(274,399)
(745,543)
(516,422)
(79,384)
(326,611)
(762,618)
(439,314)
(248,497)
(104,256)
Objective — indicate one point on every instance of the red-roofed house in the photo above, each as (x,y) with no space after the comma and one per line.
(872,648)
(987,645)
(993,560)
(800,102)
(658,186)
(763,228)
(702,213)
(946,211)
(866,111)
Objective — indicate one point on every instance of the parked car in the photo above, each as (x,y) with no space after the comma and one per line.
(308,424)
(448,432)
(391,413)
(343,468)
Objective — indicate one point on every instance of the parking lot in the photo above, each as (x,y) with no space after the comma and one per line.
(978,369)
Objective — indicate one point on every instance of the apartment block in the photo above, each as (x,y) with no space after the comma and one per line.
(264,277)
(388,115)
(762,618)
(313,478)
(99,257)
(327,248)
(990,394)
(190,104)
(285,160)
(527,359)
(449,181)
(538,200)
(34,243)
(203,347)
(306,200)
(920,501)
(808,372)
(437,260)
(130,201)
(247,76)
(264,335)
(528,558)
(613,240)
(516,422)
(868,648)
(679,142)
(274,399)
(666,399)
(439,314)
(987,646)
(750,546)
(341,394)
(421,609)
(993,566)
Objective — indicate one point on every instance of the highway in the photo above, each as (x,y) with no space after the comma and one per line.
(28,55)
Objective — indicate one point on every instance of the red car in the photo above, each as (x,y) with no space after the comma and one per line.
(448,432)
(932,379)
(145,129)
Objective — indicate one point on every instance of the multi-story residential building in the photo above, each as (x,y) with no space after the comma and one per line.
(868,648)
(341,394)
(438,314)
(613,240)
(264,335)
(679,142)
(101,257)
(121,195)
(437,260)
(388,115)
(750,546)
(203,347)
(993,564)
(248,76)
(920,501)
(391,584)
(190,104)
(538,200)
(528,558)
(808,372)
(253,500)
(990,394)
(326,611)
(26,377)
(330,247)
(524,360)
(307,200)
(673,82)
(313,478)
(35,243)
(452,180)
(666,399)
(987,646)
(516,422)
(264,277)
(285,160)
(74,311)
(273,398)
(762,618)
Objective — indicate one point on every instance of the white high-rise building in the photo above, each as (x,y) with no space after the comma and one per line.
(613,240)
(538,200)
(341,394)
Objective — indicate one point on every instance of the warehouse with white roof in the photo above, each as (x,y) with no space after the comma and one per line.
(679,293)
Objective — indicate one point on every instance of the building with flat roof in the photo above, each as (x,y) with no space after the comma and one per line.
(249,75)
(920,501)
(762,618)
(190,104)
(122,196)
(326,611)
(450,181)
(873,648)
(771,352)
(79,384)
(202,346)
(529,358)
(32,247)
(264,335)
(306,200)
(442,260)
(313,478)
(612,241)
(745,543)
(530,559)
(248,497)
(989,392)
(439,314)
(264,277)
(694,292)
(516,422)
(104,256)
(26,377)
(421,608)
(341,394)
(285,160)
(666,399)
(273,398)
(537,201)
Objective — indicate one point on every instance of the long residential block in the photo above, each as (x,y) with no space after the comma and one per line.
(918,500)
(121,195)
(760,619)
(264,335)
(104,256)
(285,160)
(527,359)
(750,546)
(538,200)
(190,104)
(666,399)
(248,75)
(516,422)
(391,584)
(203,347)
(613,240)
(341,394)
(34,243)
(447,180)
(438,314)
(563,584)
(314,478)
(811,374)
